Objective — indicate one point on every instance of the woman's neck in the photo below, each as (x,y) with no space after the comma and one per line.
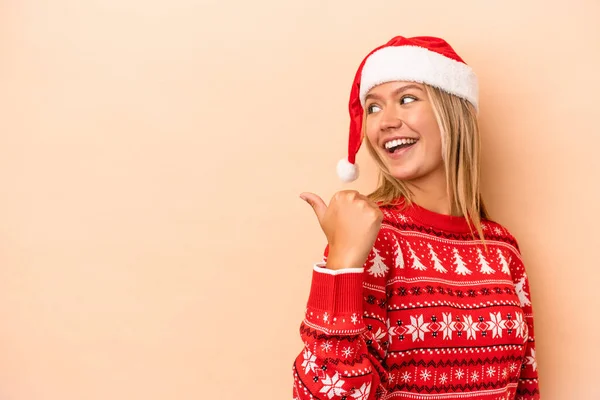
(430,192)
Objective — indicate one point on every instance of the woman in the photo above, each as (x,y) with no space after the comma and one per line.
(420,295)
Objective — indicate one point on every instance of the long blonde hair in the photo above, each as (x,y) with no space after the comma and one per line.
(461,144)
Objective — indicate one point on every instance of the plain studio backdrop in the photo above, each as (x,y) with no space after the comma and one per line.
(152,242)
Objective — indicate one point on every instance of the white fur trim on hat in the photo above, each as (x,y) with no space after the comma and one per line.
(346,171)
(418,64)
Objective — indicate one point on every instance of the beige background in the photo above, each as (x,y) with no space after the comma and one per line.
(152,244)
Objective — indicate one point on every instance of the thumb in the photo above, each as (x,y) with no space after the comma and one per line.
(316,203)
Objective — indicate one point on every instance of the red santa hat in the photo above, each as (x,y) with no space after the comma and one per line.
(422,59)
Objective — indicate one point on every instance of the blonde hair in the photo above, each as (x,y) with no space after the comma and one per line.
(461,143)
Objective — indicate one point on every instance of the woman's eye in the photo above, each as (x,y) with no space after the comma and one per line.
(373,108)
(407,99)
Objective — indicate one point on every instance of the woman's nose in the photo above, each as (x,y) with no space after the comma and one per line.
(390,119)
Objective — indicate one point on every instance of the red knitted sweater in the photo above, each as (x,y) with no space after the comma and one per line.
(432,315)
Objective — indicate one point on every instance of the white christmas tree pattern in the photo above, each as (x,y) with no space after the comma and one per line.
(399,256)
(461,267)
(503,262)
(416,261)
(378,269)
(485,267)
(437,265)
(521,293)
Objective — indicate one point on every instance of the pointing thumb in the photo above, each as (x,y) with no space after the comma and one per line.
(316,203)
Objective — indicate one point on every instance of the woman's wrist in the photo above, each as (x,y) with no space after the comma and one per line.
(336,262)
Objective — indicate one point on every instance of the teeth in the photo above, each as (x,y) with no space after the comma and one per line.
(398,142)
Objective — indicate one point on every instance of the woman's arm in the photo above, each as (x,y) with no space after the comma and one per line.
(336,362)
(528,385)
(343,345)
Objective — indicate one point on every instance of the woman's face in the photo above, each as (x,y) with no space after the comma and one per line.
(402,128)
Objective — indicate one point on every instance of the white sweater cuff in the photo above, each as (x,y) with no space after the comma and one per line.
(320,267)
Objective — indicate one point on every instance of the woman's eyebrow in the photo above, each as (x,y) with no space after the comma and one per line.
(395,93)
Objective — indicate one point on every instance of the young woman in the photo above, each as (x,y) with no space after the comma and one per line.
(420,295)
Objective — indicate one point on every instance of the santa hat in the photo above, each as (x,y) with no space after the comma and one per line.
(423,59)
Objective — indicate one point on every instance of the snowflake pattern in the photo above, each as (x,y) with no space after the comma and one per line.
(417,328)
(531,360)
(520,325)
(326,346)
(309,362)
(471,327)
(447,325)
(406,377)
(391,378)
(496,324)
(451,298)
(468,325)
(380,334)
(443,378)
(363,392)
(333,386)
(347,352)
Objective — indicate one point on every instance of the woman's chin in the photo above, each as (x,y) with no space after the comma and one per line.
(402,174)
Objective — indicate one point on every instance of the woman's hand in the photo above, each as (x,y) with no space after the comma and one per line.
(351,223)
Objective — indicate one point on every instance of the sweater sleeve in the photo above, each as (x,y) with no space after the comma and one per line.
(528,385)
(344,332)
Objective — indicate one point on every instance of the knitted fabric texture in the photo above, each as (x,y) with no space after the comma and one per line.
(432,315)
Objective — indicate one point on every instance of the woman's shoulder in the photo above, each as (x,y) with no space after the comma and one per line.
(396,218)
(493,230)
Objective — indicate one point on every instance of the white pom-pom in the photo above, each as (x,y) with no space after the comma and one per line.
(346,171)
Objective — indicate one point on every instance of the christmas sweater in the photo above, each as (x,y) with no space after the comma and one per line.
(433,314)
